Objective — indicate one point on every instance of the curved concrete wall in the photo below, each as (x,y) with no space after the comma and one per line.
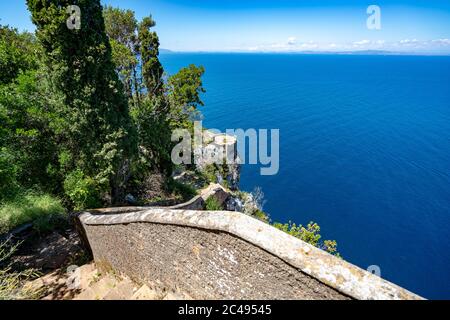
(224,255)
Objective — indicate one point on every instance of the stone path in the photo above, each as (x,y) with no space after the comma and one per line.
(87,283)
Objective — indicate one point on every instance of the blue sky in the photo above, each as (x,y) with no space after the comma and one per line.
(283,25)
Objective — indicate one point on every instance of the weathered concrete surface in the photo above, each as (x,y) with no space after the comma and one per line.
(201,264)
(226,255)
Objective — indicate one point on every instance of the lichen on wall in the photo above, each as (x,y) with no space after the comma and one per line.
(225,255)
(201,264)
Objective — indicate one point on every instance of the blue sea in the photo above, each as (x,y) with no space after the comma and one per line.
(364,150)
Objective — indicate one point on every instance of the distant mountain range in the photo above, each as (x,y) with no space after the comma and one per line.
(360,52)
(370,52)
(165,51)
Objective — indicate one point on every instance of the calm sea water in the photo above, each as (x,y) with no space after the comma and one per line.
(365,150)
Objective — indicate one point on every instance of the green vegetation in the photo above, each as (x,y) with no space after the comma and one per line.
(310,234)
(182,191)
(154,107)
(91,115)
(86,114)
(17,54)
(211,173)
(82,190)
(86,117)
(121,26)
(253,204)
(184,93)
(260,215)
(8,175)
(152,70)
(44,210)
(212,204)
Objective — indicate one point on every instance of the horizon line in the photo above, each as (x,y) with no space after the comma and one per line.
(306,52)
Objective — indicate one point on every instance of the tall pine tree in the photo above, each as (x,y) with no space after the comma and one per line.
(152,70)
(90,107)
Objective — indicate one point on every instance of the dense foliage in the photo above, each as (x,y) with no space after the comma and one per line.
(86,114)
(184,92)
(17,53)
(91,112)
(157,104)
(152,69)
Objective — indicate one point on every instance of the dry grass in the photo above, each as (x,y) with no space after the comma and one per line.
(11,282)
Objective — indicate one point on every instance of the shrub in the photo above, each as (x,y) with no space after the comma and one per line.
(212,204)
(8,175)
(310,234)
(215,173)
(331,247)
(82,191)
(184,191)
(260,215)
(209,173)
(45,211)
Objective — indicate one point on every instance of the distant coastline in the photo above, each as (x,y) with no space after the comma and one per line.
(355,53)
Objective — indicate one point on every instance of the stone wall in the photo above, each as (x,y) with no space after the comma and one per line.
(199,202)
(224,255)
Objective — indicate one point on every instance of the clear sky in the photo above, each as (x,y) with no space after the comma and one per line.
(283,25)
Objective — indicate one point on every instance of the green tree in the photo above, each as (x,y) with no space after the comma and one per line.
(154,134)
(8,175)
(132,47)
(26,131)
(152,70)
(17,53)
(131,40)
(91,111)
(125,63)
(25,134)
(121,28)
(184,93)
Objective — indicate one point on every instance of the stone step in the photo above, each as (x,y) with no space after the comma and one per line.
(124,290)
(172,296)
(99,289)
(88,283)
(145,293)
